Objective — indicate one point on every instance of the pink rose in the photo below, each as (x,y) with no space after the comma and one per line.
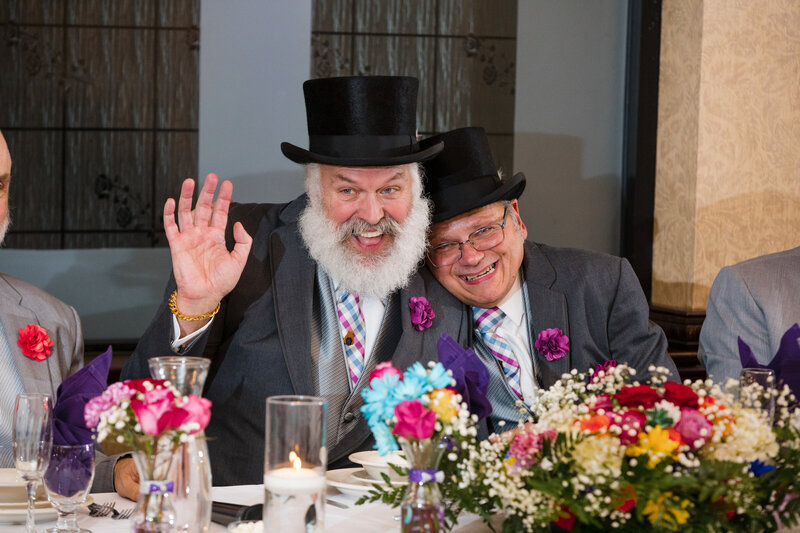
(155,411)
(414,421)
(195,409)
(634,420)
(384,369)
(693,426)
(526,445)
(552,343)
(422,314)
(601,401)
(34,342)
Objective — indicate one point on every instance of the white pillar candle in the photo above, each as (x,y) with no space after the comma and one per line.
(294,481)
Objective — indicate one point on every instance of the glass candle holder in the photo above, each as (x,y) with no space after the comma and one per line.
(295,462)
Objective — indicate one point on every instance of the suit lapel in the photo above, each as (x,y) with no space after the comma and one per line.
(548,310)
(293,286)
(17,315)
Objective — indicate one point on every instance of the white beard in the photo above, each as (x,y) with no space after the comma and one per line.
(376,275)
(4,227)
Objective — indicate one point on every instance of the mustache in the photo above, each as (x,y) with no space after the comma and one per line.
(387,225)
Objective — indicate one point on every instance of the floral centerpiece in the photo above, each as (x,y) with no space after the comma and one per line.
(604,452)
(153,418)
(429,412)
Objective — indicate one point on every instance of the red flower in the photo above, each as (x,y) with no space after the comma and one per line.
(565,521)
(34,342)
(630,501)
(680,395)
(138,384)
(414,421)
(634,420)
(638,396)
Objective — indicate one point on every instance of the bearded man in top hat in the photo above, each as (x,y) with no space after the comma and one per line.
(532,312)
(321,293)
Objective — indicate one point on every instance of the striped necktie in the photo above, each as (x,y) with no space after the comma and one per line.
(487,322)
(353,332)
(12,385)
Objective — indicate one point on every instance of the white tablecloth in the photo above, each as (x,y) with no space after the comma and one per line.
(370,518)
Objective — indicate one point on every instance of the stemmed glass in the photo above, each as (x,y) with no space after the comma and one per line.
(67,479)
(756,391)
(32,438)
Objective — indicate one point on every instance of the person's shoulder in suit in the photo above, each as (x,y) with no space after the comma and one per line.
(36,298)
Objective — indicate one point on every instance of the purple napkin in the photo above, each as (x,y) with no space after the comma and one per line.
(472,377)
(69,426)
(70,470)
(785,364)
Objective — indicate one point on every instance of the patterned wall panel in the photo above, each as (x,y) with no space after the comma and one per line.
(462,51)
(99,105)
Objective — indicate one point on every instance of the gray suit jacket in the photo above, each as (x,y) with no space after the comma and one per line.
(259,342)
(596,300)
(757,300)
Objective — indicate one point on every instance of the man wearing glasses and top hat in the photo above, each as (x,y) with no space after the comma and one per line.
(532,312)
(320,294)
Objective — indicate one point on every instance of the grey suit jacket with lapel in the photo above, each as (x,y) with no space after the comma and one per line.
(21,304)
(259,342)
(757,300)
(596,300)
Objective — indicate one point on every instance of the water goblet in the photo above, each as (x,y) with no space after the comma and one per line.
(756,391)
(68,479)
(32,437)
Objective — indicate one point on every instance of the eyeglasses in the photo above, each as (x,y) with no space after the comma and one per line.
(482,239)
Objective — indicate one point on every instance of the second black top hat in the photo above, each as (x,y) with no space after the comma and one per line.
(361,121)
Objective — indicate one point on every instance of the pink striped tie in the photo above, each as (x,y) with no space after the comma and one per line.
(487,321)
(354,334)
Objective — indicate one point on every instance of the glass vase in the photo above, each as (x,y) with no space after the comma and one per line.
(191,468)
(422,510)
(154,509)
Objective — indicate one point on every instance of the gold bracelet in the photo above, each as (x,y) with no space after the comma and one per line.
(173,306)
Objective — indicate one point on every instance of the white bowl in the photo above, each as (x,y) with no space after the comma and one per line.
(376,464)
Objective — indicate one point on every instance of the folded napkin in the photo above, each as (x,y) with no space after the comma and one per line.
(785,364)
(471,375)
(74,392)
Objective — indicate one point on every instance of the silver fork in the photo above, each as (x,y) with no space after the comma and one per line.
(124,514)
(100,510)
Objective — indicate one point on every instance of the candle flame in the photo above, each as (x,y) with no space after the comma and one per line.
(296,462)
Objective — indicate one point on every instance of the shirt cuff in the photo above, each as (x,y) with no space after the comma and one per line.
(181,344)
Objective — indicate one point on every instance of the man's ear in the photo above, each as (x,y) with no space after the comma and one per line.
(515,213)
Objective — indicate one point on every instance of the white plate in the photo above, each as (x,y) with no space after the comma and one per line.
(12,487)
(348,481)
(376,464)
(17,515)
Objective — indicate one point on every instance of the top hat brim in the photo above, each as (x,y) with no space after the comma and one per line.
(448,205)
(303,157)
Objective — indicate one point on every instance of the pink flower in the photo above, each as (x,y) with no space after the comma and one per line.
(693,427)
(384,369)
(631,423)
(526,446)
(155,411)
(112,396)
(552,343)
(601,401)
(195,410)
(34,342)
(414,421)
(422,314)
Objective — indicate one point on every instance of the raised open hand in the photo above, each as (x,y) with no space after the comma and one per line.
(205,271)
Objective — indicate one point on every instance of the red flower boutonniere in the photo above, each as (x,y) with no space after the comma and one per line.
(552,343)
(34,342)
(422,314)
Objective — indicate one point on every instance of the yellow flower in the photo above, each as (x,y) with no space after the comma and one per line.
(441,403)
(656,444)
(672,516)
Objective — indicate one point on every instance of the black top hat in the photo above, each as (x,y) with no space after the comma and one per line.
(361,121)
(463,177)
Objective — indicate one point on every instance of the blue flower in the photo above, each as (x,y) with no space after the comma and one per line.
(758,468)
(438,377)
(414,384)
(384,440)
(381,398)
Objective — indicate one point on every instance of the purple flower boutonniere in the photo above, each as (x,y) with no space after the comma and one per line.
(422,314)
(552,343)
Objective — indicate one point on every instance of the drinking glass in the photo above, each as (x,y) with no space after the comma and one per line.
(32,440)
(295,462)
(757,391)
(67,479)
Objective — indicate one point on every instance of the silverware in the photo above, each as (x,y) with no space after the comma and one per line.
(124,514)
(100,510)
(334,503)
(311,519)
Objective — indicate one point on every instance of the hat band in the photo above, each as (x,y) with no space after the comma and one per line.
(362,146)
(454,197)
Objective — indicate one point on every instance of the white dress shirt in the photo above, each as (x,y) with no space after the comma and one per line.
(515,330)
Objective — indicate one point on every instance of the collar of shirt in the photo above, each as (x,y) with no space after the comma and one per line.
(514,306)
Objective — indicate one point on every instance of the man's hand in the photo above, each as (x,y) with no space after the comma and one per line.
(126,478)
(205,271)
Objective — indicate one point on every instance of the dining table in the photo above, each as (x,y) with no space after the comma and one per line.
(342,515)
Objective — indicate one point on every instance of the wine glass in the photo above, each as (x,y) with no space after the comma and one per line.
(67,479)
(756,391)
(32,441)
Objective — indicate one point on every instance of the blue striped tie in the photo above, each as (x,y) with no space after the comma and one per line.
(12,385)
(486,322)
(353,332)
